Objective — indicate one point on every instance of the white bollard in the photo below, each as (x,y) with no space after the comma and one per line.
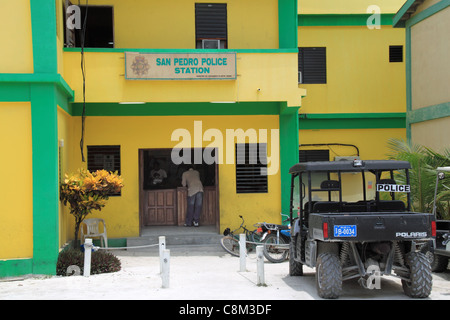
(162,247)
(87,257)
(165,275)
(260,266)
(242,252)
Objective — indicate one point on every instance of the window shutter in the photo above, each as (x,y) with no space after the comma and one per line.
(395,53)
(251,168)
(211,21)
(312,64)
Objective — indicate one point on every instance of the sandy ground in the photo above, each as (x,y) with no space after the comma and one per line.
(198,276)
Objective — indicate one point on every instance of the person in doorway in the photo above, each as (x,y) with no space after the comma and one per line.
(191,179)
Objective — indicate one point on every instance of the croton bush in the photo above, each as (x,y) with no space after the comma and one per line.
(86,191)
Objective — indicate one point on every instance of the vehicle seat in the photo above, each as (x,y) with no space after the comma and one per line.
(326,206)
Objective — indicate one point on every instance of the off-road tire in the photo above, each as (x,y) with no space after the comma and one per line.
(295,267)
(421,280)
(328,276)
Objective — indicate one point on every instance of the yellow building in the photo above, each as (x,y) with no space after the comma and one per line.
(174,82)
(426,24)
(351,63)
(131,88)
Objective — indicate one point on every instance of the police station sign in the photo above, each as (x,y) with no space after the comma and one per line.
(180,66)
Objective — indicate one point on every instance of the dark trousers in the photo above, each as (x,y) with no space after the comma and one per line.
(194,208)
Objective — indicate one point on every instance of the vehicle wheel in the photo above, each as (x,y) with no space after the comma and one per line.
(295,267)
(275,250)
(230,245)
(438,263)
(420,283)
(328,276)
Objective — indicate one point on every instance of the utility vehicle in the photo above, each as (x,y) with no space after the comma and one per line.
(363,238)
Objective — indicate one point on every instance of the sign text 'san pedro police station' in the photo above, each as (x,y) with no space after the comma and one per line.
(180,66)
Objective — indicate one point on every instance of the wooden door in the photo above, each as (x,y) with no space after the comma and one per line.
(160,208)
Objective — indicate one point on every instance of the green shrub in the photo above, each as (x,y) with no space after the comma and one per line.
(101,261)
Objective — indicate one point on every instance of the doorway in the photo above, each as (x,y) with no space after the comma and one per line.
(162,198)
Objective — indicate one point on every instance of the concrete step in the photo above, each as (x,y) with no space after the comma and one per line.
(181,240)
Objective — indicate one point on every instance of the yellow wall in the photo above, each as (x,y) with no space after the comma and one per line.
(66,160)
(105,81)
(360,77)
(16,189)
(15,37)
(134,133)
(171,24)
(347,6)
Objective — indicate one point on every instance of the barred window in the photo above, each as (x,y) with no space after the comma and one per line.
(104,157)
(251,168)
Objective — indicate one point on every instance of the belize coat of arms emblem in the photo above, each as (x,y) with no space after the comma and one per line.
(140,66)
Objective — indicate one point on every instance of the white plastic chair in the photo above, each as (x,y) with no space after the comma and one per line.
(92,230)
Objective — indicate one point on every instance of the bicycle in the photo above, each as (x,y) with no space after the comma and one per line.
(230,240)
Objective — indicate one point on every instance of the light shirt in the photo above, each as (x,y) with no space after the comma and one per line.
(191,179)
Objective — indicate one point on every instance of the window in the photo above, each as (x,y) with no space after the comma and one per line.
(314,155)
(395,53)
(211,25)
(251,168)
(312,65)
(99,28)
(103,157)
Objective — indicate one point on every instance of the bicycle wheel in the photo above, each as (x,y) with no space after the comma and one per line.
(230,245)
(275,249)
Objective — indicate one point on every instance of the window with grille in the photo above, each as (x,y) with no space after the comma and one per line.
(104,157)
(395,53)
(251,168)
(211,25)
(312,65)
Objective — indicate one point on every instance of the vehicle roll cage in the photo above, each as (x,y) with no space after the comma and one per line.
(376,167)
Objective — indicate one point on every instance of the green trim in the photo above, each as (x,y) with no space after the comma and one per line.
(403,17)
(44,125)
(147,50)
(22,81)
(15,267)
(438,111)
(289,141)
(408,80)
(177,109)
(287,24)
(43,29)
(352,121)
(314,20)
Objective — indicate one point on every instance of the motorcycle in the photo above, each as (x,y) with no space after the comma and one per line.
(275,238)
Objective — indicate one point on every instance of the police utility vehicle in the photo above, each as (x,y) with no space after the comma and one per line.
(363,239)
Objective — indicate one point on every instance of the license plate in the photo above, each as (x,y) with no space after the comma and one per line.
(345,231)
